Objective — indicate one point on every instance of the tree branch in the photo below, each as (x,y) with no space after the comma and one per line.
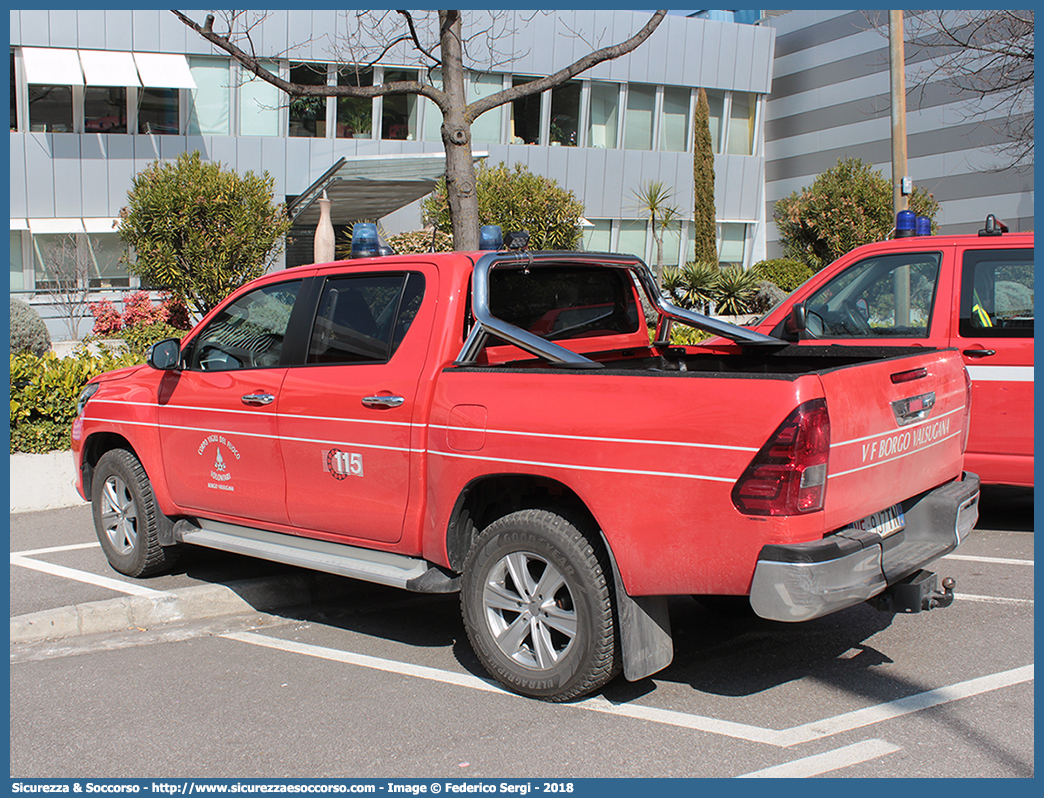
(416,40)
(253,65)
(479,107)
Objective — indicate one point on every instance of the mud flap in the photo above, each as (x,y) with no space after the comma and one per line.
(646,645)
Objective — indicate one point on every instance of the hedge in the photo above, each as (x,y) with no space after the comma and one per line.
(44,391)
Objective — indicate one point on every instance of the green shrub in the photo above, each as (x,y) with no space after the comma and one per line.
(517,199)
(766,297)
(786,273)
(40,436)
(419,241)
(142,336)
(200,231)
(44,392)
(683,335)
(28,331)
(845,207)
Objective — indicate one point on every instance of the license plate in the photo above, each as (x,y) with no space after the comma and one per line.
(884,522)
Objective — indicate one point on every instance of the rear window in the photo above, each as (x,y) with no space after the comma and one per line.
(562,302)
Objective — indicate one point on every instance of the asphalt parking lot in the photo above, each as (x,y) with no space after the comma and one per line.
(343,679)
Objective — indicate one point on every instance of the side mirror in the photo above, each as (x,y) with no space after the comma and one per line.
(165,355)
(797,320)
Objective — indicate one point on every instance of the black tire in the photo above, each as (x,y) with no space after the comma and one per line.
(538,606)
(126,517)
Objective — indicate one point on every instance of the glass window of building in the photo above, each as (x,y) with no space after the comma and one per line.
(741,123)
(17,275)
(432,115)
(50,109)
(605,115)
(598,237)
(308,114)
(731,239)
(525,116)
(14,96)
(632,237)
(485,129)
(399,114)
(565,114)
(210,101)
(104,251)
(672,237)
(55,261)
(259,104)
(638,121)
(105,109)
(674,120)
(715,105)
(158,111)
(354,114)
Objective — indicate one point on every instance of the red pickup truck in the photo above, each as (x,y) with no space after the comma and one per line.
(970,292)
(399,420)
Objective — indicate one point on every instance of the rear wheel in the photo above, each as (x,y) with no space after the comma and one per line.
(538,607)
(126,518)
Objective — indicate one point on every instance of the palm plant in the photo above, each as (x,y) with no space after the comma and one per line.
(672,282)
(735,289)
(701,284)
(653,202)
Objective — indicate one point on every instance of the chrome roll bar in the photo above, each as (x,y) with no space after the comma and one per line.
(486,324)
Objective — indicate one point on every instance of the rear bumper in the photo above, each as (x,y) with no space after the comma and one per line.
(808,580)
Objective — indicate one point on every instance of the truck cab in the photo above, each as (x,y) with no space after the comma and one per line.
(969,292)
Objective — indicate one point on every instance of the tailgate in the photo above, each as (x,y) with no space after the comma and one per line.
(896,430)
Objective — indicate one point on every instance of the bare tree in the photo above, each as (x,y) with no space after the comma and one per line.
(443,47)
(67,273)
(987,57)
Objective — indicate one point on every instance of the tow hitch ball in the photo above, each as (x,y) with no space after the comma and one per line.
(917,592)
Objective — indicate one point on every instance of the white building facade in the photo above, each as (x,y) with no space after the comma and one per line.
(830,99)
(96,95)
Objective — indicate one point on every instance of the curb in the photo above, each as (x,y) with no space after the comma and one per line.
(43,482)
(191,603)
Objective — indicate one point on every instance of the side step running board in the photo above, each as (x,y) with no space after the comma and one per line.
(382,567)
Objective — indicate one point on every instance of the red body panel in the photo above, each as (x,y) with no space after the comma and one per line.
(1000,447)
(653,455)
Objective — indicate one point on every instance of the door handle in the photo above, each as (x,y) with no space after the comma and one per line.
(979,352)
(258,399)
(383,401)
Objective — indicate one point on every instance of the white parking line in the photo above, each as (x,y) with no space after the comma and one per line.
(994,600)
(827,762)
(782,738)
(55,549)
(988,560)
(84,576)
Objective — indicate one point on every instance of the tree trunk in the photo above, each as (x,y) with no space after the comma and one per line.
(456,137)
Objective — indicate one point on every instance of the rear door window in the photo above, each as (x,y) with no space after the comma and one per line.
(363,318)
(997,294)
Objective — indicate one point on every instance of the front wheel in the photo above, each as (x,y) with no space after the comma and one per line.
(126,517)
(538,607)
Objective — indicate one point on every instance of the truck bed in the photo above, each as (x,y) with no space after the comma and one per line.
(784,362)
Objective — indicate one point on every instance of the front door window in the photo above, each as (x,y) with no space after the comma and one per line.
(886,296)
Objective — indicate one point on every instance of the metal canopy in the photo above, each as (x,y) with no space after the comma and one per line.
(370,187)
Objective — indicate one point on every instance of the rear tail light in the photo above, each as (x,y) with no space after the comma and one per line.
(788,476)
(967,410)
